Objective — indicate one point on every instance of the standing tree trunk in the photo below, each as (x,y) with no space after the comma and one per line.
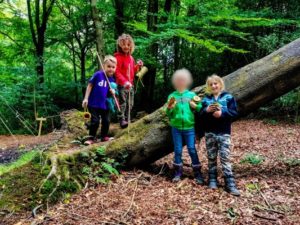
(82,70)
(253,86)
(149,79)
(98,24)
(119,17)
(74,70)
(38,27)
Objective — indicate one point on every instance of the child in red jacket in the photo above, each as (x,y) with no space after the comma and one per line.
(125,72)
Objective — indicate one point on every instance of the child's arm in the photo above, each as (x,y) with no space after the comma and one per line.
(87,95)
(231,110)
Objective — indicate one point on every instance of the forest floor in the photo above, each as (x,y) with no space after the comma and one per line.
(266,161)
(12,148)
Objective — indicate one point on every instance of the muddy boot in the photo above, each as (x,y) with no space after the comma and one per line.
(178,173)
(212,180)
(198,175)
(230,186)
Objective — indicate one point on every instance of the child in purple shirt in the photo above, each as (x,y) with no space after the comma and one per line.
(95,98)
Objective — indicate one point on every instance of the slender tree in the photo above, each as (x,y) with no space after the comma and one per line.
(38,19)
(98,24)
(149,80)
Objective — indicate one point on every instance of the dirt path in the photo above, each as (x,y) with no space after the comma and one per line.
(8,142)
(270,190)
(12,147)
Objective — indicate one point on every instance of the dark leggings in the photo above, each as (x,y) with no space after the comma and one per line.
(98,114)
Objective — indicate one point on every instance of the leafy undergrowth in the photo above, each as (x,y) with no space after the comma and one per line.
(266,163)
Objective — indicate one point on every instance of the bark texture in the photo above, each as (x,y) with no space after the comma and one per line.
(98,29)
(253,86)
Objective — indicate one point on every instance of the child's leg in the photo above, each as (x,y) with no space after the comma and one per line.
(177,141)
(224,142)
(129,105)
(105,121)
(212,153)
(189,137)
(123,95)
(190,140)
(224,148)
(95,121)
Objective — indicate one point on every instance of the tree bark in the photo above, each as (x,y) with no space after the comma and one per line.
(38,25)
(74,70)
(253,86)
(149,79)
(98,24)
(119,17)
(82,70)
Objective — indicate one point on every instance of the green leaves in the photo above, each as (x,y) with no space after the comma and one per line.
(252,159)
(101,168)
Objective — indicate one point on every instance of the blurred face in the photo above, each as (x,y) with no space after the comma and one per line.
(215,87)
(110,68)
(180,83)
(125,46)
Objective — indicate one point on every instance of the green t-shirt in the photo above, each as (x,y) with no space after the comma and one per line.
(182,116)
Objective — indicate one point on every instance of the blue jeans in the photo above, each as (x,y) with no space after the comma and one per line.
(189,137)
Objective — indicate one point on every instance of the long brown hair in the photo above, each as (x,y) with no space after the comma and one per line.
(121,40)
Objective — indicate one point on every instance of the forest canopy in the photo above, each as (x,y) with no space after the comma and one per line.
(48,48)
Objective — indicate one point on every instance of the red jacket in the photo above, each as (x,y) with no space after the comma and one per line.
(123,63)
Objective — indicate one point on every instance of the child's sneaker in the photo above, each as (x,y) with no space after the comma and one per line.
(89,142)
(123,124)
(105,139)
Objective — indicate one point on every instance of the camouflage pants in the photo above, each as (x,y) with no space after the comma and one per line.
(218,144)
(124,102)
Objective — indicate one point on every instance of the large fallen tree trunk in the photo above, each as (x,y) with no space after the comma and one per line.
(253,85)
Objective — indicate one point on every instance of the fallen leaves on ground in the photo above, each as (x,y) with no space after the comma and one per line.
(270,189)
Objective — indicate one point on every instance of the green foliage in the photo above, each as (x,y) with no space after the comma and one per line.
(292,162)
(271,121)
(101,168)
(204,36)
(252,159)
(286,107)
(232,214)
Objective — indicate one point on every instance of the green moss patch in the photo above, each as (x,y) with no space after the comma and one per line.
(23,160)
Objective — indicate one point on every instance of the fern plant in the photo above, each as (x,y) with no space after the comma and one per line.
(101,167)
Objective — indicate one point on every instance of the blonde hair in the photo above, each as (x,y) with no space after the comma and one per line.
(109,58)
(122,39)
(216,78)
(183,73)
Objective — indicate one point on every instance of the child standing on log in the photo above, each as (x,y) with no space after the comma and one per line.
(219,108)
(125,72)
(95,99)
(180,109)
